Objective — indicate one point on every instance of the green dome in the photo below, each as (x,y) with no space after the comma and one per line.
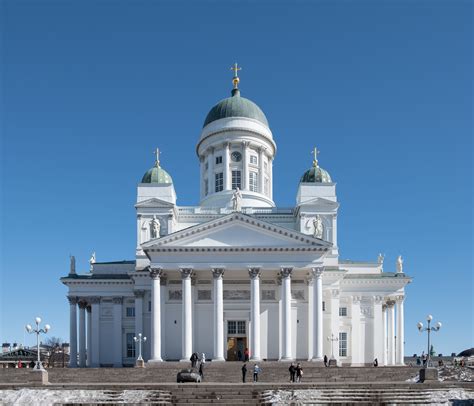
(157,175)
(316,175)
(236,106)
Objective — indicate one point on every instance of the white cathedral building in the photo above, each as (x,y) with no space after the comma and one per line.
(236,272)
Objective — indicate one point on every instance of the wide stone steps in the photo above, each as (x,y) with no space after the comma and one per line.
(221,395)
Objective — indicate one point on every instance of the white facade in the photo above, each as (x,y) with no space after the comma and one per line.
(220,277)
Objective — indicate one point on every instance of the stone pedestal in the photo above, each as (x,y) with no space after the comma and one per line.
(332,362)
(39,376)
(428,374)
(139,363)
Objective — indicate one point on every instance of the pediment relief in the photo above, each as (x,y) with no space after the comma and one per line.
(237,230)
(154,203)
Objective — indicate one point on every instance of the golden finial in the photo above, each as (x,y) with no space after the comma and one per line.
(236,79)
(157,156)
(315,159)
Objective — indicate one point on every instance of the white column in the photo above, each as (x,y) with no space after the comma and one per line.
(217,274)
(245,165)
(270,177)
(117,332)
(95,332)
(400,332)
(82,334)
(187,315)
(310,317)
(261,175)
(377,329)
(335,321)
(385,349)
(72,331)
(201,176)
(155,275)
(89,335)
(227,172)
(355,332)
(286,313)
(254,274)
(139,311)
(391,332)
(317,313)
(210,171)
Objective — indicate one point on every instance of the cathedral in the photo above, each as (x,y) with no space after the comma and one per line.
(236,274)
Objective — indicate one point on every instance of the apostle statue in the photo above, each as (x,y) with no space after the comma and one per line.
(399,264)
(380,259)
(318,227)
(155,227)
(237,200)
(72,265)
(92,261)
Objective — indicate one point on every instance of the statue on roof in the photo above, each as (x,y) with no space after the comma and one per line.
(155,228)
(92,261)
(399,264)
(72,265)
(380,258)
(237,200)
(318,227)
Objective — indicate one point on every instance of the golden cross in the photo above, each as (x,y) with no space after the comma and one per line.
(315,153)
(157,154)
(236,69)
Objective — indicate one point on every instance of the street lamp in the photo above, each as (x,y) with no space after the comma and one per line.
(139,339)
(429,329)
(38,331)
(332,339)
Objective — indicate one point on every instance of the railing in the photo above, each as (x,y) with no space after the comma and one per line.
(225,210)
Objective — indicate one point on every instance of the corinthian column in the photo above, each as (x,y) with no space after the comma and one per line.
(400,332)
(391,332)
(82,333)
(89,336)
(72,331)
(217,274)
(226,171)
(155,275)
(286,313)
(317,314)
(385,349)
(187,317)
(254,274)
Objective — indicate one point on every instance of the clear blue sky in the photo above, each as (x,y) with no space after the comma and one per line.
(384,89)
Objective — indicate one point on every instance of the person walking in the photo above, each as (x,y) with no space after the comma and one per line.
(201,369)
(299,372)
(244,372)
(193,359)
(256,371)
(376,362)
(292,370)
(325,360)
(246,354)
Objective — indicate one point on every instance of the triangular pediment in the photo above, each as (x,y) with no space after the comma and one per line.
(154,203)
(321,203)
(237,230)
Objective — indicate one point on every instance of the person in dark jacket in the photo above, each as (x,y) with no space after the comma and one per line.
(194,359)
(325,360)
(244,372)
(292,370)
(299,372)
(201,369)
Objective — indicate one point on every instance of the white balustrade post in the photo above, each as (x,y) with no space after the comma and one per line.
(400,332)
(286,313)
(72,331)
(82,333)
(155,275)
(187,316)
(317,314)
(254,274)
(217,274)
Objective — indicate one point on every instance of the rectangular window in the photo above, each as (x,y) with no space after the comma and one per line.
(236,327)
(130,312)
(343,311)
(231,327)
(241,327)
(218,160)
(266,186)
(130,345)
(253,181)
(253,159)
(219,182)
(343,344)
(236,180)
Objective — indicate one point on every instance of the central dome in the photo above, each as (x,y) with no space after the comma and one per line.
(236,106)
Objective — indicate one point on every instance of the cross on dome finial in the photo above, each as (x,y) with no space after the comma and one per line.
(315,159)
(157,156)
(236,79)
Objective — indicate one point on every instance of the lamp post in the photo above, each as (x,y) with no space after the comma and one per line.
(139,339)
(333,339)
(429,329)
(38,331)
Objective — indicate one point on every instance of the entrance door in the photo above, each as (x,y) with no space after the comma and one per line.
(236,340)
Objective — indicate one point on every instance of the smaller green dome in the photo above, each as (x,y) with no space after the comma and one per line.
(157,175)
(316,175)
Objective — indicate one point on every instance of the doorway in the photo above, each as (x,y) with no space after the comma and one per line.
(235,348)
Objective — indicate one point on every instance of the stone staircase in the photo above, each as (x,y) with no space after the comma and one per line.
(215,395)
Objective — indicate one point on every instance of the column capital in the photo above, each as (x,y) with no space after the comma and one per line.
(139,293)
(285,272)
(399,299)
(356,299)
(156,272)
(117,300)
(73,300)
(186,272)
(317,271)
(254,273)
(245,144)
(88,308)
(309,280)
(384,307)
(217,273)
(82,303)
(377,299)
(94,299)
(390,302)
(226,144)
(335,293)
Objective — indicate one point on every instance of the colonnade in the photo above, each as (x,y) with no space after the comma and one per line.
(393,331)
